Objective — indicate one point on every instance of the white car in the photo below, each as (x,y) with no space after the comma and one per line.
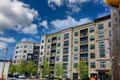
(22,76)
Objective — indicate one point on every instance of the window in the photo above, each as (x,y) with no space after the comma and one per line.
(92,46)
(65,65)
(24,51)
(65,58)
(75,49)
(41,53)
(42,41)
(75,65)
(76,33)
(42,47)
(24,56)
(58,44)
(15,56)
(92,55)
(75,56)
(102,64)
(101,35)
(29,56)
(47,59)
(102,49)
(17,47)
(75,41)
(110,33)
(65,50)
(49,40)
(48,52)
(91,29)
(57,58)
(109,24)
(16,52)
(58,51)
(66,43)
(25,46)
(92,38)
(92,65)
(40,58)
(66,36)
(100,26)
(48,46)
(58,37)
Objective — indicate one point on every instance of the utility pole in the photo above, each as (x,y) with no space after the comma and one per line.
(4,63)
(115,53)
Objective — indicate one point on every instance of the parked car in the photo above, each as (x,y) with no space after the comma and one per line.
(22,76)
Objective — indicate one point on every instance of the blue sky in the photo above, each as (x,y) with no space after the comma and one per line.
(28,20)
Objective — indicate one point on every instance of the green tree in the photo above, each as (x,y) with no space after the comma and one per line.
(59,70)
(82,69)
(45,70)
(21,67)
(12,69)
(31,68)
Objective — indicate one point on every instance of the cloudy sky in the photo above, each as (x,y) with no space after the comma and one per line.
(28,20)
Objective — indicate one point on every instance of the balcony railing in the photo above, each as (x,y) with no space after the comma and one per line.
(84,42)
(83,34)
(84,50)
(53,54)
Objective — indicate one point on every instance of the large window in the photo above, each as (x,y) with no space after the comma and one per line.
(42,47)
(49,40)
(92,65)
(109,24)
(58,44)
(100,26)
(101,35)
(76,33)
(65,50)
(42,41)
(58,51)
(91,29)
(48,46)
(92,55)
(75,56)
(66,43)
(102,64)
(66,36)
(92,38)
(92,46)
(57,58)
(25,46)
(58,37)
(75,41)
(65,66)
(65,58)
(110,33)
(75,65)
(102,49)
(75,49)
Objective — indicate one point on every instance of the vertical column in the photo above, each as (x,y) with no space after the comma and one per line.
(115,43)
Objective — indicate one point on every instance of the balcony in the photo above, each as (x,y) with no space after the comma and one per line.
(54,41)
(53,54)
(84,42)
(52,68)
(84,34)
(84,50)
(53,47)
(52,61)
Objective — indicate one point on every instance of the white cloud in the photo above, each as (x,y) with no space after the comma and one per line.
(51,3)
(16,15)
(8,40)
(28,39)
(3,45)
(69,22)
(44,24)
(32,29)
(4,41)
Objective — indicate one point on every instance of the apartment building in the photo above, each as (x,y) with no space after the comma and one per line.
(89,42)
(26,51)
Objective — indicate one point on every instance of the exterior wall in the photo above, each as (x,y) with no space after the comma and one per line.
(71,53)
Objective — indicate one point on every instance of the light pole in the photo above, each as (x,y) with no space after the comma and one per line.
(4,63)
